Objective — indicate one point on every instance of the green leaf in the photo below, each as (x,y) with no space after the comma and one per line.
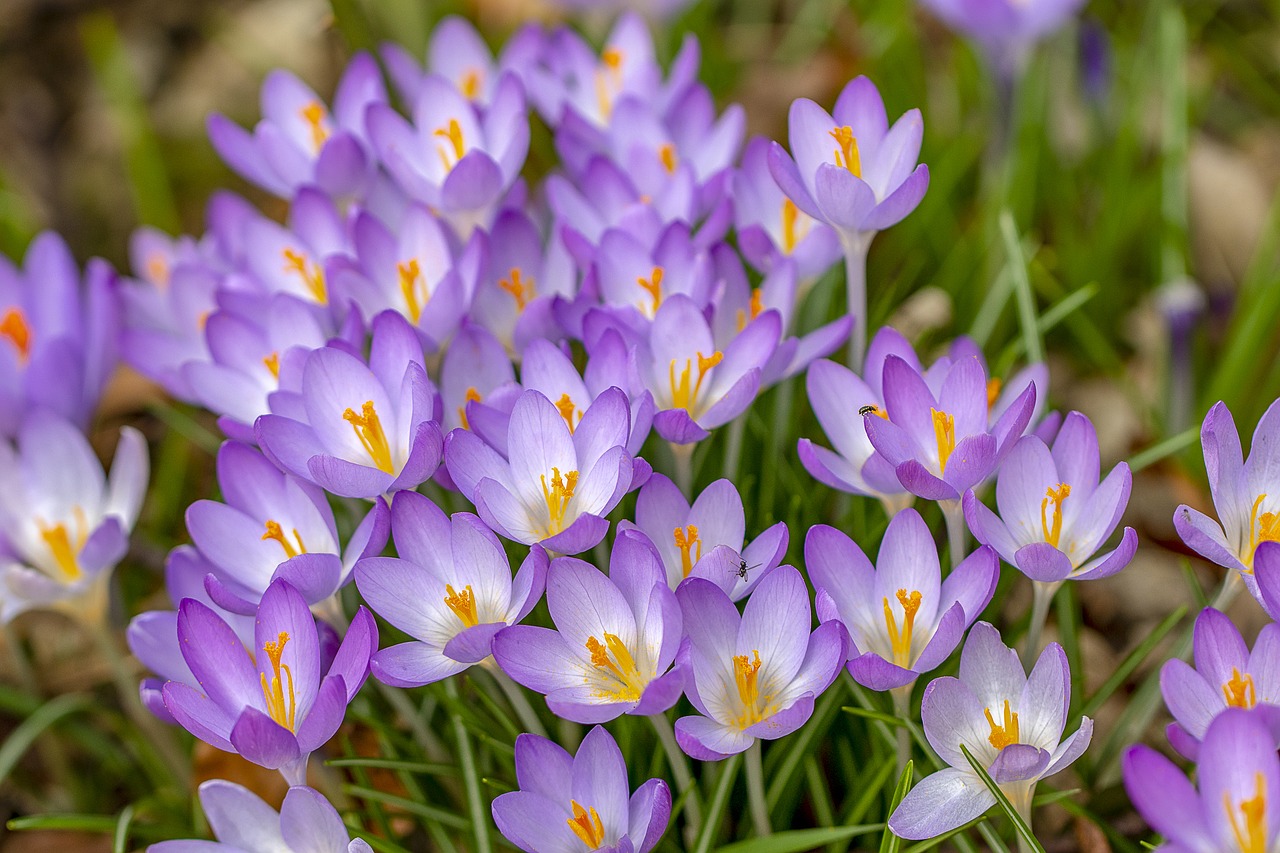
(1022,289)
(442,816)
(1132,661)
(1019,823)
(120,843)
(799,839)
(715,811)
(1164,449)
(424,767)
(890,843)
(25,734)
(94,823)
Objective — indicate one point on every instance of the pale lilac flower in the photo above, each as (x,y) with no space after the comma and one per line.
(1006,30)
(292,259)
(474,368)
(458,53)
(635,281)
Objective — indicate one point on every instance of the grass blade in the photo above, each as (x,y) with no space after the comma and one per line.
(1022,289)
(890,843)
(799,839)
(1132,661)
(1019,823)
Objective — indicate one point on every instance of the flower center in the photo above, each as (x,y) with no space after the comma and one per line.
(994,386)
(586,824)
(746,675)
(792,234)
(314,114)
(667,154)
(521,288)
(567,411)
(652,286)
(613,658)
(273,692)
(276,532)
(312,274)
(1053,495)
(1002,735)
(558,495)
(1250,828)
(470,83)
(900,639)
(686,538)
(1240,691)
(472,396)
(756,306)
(608,80)
(14,327)
(944,431)
(452,153)
(846,154)
(65,550)
(272,363)
(158,269)
(1266,525)
(682,396)
(368,429)
(410,275)
(463,604)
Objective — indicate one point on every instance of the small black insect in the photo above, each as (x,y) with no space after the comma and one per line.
(867,410)
(742,568)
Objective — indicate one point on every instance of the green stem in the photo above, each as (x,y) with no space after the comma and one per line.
(855,270)
(515,695)
(1042,597)
(733,447)
(901,709)
(679,764)
(719,799)
(683,454)
(475,802)
(755,791)
(957,532)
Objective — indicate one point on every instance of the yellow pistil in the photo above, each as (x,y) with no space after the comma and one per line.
(1055,495)
(1240,691)
(452,133)
(65,550)
(944,430)
(470,84)
(1263,527)
(158,269)
(652,286)
(521,288)
(613,657)
(368,429)
(608,80)
(667,154)
(746,675)
(472,395)
(757,305)
(993,391)
(314,115)
(410,274)
(586,824)
(272,363)
(1002,735)
(14,327)
(463,604)
(567,410)
(686,539)
(276,532)
(312,274)
(847,156)
(900,640)
(682,396)
(791,235)
(273,692)
(1250,830)
(557,496)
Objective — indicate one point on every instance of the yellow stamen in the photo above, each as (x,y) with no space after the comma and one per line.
(1003,735)
(993,391)
(463,604)
(878,411)
(790,219)
(686,539)
(273,692)
(1240,691)
(470,84)
(682,397)
(1267,525)
(944,430)
(521,288)
(900,640)
(312,274)
(847,156)
(746,675)
(586,824)
(613,656)
(410,274)
(557,496)
(452,133)
(314,115)
(368,429)
(276,532)
(1055,495)
(14,327)
(66,553)
(652,286)
(273,364)
(608,80)
(158,269)
(667,154)
(757,305)
(472,396)
(567,410)
(1250,830)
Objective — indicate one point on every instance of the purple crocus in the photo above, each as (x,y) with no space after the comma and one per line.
(636,280)
(1237,806)
(458,53)
(754,675)
(705,539)
(902,617)
(565,801)
(1226,675)
(243,823)
(450,589)
(274,525)
(615,641)
(63,524)
(276,707)
(559,480)
(356,429)
(1010,722)
(1054,514)
(474,367)
(1006,30)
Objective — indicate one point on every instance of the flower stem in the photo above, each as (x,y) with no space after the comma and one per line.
(679,764)
(475,802)
(901,709)
(1042,597)
(683,454)
(733,448)
(719,800)
(755,791)
(957,532)
(515,695)
(855,270)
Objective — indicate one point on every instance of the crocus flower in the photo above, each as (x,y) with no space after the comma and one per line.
(292,259)
(1011,724)
(1006,30)
(754,675)
(559,480)
(58,337)
(450,589)
(243,823)
(474,367)
(705,539)
(636,281)
(63,524)
(565,801)
(942,443)
(274,525)
(1246,493)
(299,141)
(902,617)
(458,53)
(275,707)
(1054,514)
(1226,675)
(615,641)
(1239,782)
(357,429)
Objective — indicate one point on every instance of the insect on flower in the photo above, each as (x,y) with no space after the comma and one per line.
(742,568)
